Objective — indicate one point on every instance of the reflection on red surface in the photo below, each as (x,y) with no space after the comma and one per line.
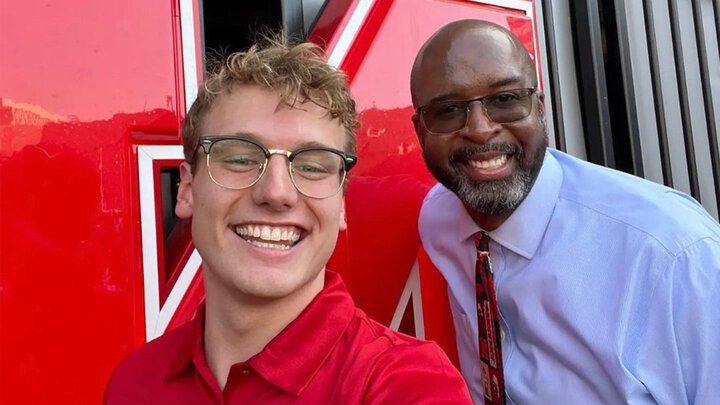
(70,262)
(388,146)
(89,81)
(88,59)
(383,243)
(77,78)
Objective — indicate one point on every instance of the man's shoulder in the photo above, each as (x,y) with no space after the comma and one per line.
(392,349)
(146,366)
(379,337)
(589,182)
(394,364)
(610,196)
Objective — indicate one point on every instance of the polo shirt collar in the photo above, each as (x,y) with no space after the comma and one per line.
(291,359)
(189,346)
(523,231)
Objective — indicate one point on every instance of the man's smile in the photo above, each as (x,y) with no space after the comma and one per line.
(270,237)
(486,166)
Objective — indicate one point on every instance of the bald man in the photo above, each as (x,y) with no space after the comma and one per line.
(569,283)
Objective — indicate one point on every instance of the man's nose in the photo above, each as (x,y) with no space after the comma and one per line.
(480,128)
(275,189)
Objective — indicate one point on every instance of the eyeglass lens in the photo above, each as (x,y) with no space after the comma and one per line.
(502,107)
(238,164)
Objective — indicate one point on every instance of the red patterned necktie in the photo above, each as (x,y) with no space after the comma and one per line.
(488,325)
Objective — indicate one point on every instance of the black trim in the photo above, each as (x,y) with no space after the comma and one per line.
(625,117)
(203,35)
(593,87)
(684,102)
(315,17)
(716,10)
(293,20)
(707,97)
(554,85)
(232,26)
(660,120)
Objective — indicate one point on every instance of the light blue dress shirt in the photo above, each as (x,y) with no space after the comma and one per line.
(608,287)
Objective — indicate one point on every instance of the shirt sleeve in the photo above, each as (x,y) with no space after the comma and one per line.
(415,374)
(679,355)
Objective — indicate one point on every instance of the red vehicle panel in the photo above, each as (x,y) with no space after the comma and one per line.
(78,79)
(91,97)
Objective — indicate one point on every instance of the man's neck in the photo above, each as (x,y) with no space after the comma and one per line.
(488,222)
(237,329)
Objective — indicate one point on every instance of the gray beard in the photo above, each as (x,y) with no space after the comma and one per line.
(496,196)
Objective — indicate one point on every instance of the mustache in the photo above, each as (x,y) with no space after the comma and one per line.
(462,154)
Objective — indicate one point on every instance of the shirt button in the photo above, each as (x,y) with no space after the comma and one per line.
(502,335)
(245,371)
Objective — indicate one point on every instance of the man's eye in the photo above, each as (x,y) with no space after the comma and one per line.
(239,163)
(449,109)
(503,98)
(238,160)
(311,168)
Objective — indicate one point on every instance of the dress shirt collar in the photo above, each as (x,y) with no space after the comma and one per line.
(293,357)
(523,231)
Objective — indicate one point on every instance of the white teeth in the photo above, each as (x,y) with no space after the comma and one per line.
(269,233)
(278,246)
(489,164)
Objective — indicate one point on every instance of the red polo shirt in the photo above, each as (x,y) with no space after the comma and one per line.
(331,354)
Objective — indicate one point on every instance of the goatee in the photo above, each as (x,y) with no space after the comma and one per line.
(494,196)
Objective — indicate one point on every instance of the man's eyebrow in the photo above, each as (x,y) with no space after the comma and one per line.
(313,144)
(442,97)
(506,81)
(246,135)
(302,145)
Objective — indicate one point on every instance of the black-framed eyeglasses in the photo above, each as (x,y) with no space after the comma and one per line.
(235,163)
(502,107)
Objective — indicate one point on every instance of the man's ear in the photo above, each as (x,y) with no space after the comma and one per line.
(542,116)
(541,107)
(418,130)
(343,220)
(183,208)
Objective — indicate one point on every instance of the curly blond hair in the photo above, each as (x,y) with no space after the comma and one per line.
(297,71)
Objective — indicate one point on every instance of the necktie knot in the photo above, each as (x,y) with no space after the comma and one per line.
(482,241)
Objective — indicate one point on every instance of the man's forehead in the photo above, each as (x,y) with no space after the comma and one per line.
(254,97)
(485,48)
(259,110)
(471,60)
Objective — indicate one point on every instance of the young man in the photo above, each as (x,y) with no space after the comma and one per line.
(268,144)
(569,283)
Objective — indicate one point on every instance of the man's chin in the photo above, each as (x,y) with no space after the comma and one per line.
(491,197)
(489,204)
(488,197)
